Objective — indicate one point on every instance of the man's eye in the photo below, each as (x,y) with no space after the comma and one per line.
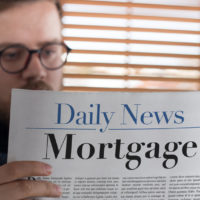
(49,52)
(10,56)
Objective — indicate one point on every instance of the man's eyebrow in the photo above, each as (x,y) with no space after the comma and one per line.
(2,45)
(40,44)
(49,42)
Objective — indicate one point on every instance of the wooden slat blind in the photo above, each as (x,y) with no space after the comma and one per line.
(132,45)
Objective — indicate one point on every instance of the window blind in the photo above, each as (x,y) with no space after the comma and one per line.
(132,45)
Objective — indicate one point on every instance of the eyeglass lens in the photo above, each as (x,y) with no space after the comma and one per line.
(51,56)
(14,59)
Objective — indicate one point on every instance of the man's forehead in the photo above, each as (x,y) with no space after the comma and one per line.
(31,26)
(37,8)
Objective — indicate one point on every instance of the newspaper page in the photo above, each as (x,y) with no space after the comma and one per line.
(111,146)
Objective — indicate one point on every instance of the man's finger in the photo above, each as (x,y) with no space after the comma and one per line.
(23,189)
(18,170)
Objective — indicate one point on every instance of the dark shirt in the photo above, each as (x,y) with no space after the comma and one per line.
(3,143)
(3,158)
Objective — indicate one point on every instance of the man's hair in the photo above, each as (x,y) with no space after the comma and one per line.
(6,4)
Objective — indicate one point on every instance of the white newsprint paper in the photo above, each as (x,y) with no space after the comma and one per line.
(111,146)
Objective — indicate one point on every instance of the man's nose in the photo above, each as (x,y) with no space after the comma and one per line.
(34,70)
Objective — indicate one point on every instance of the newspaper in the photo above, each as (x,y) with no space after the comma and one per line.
(111,146)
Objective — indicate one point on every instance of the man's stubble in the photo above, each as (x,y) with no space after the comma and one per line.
(30,85)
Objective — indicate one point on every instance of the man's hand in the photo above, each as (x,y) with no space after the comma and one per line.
(12,187)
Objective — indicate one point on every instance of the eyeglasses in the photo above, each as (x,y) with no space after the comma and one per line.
(16,58)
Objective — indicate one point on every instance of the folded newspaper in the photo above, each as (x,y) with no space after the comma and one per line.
(111,146)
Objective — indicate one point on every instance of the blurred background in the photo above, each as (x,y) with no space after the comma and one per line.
(132,45)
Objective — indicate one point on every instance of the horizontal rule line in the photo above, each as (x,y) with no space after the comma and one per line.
(68,129)
(140,129)
(115,129)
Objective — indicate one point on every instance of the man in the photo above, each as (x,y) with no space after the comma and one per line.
(30,58)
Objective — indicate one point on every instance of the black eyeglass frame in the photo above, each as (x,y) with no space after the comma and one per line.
(31,52)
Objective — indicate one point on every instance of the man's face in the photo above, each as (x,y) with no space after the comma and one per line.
(32,25)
